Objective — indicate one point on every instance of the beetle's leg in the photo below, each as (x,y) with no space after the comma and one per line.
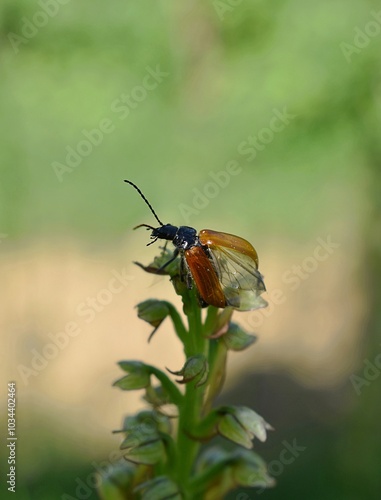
(185,274)
(175,254)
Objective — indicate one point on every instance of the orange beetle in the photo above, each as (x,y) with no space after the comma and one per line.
(223,267)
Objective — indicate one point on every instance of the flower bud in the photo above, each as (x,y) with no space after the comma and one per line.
(144,450)
(254,423)
(241,425)
(143,442)
(250,470)
(157,396)
(138,376)
(236,339)
(147,422)
(153,311)
(195,367)
(237,467)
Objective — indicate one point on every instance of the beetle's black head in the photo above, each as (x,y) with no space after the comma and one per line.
(164,232)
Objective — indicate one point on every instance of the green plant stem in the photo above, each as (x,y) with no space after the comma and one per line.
(217,364)
(191,409)
(178,324)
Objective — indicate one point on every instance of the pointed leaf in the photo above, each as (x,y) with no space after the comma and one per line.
(132,366)
(133,381)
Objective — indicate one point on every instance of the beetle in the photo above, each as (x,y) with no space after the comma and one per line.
(223,267)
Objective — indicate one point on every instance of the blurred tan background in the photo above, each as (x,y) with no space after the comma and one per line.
(255,119)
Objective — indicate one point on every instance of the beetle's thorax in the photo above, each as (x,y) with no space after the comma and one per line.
(186,237)
(183,237)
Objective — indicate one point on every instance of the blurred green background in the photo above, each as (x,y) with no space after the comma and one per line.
(223,70)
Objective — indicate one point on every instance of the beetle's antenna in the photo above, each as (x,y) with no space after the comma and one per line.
(145,199)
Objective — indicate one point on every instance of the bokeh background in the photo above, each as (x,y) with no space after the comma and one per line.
(305,191)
